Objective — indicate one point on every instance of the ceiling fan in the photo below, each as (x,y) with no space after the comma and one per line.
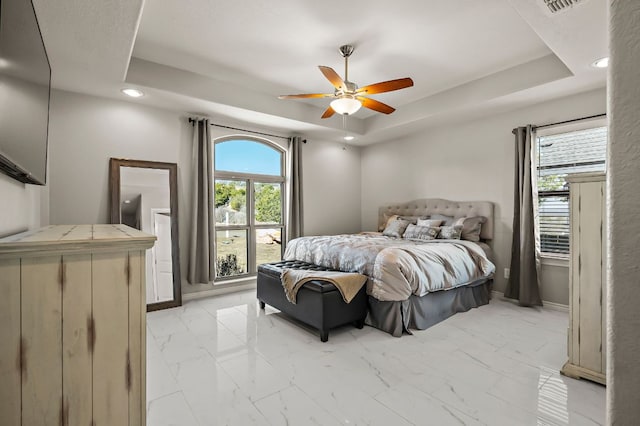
(348,97)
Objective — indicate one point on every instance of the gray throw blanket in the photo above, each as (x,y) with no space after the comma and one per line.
(349,284)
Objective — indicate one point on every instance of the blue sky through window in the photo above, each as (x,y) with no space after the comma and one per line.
(245,156)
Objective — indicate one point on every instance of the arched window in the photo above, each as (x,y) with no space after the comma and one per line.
(249,200)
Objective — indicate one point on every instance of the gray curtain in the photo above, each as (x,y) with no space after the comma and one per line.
(202,236)
(524,275)
(293,222)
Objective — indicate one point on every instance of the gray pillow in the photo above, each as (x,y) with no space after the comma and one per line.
(471,227)
(415,232)
(395,228)
(452,232)
(446,220)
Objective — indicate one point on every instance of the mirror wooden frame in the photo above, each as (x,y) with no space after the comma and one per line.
(115,217)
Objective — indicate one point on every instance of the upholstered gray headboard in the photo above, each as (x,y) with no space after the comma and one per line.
(430,206)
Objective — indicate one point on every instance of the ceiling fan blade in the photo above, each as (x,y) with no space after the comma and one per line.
(332,76)
(375,105)
(307,95)
(386,86)
(328,112)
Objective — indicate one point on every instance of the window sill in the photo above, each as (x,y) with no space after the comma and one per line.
(549,260)
(234,281)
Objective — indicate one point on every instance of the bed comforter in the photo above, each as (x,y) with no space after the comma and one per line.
(397,268)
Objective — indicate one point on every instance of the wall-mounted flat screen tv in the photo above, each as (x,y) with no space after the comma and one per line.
(25,85)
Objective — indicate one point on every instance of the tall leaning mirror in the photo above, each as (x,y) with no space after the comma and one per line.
(143,195)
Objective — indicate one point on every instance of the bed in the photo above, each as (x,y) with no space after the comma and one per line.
(412,284)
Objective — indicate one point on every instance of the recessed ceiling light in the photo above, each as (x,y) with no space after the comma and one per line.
(134,93)
(349,138)
(601,63)
(127,201)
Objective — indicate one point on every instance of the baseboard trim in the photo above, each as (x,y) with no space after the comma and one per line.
(546,305)
(556,306)
(218,291)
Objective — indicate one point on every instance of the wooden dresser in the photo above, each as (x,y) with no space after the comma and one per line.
(72,326)
(587,278)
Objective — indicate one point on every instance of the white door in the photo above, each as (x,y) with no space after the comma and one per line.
(163,271)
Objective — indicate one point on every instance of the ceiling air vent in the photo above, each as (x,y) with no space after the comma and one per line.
(559,5)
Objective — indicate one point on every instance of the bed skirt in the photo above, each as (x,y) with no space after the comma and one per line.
(419,313)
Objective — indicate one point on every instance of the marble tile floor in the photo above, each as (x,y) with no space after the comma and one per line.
(223,361)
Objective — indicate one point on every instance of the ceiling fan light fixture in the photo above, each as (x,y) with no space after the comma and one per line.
(348,98)
(346,105)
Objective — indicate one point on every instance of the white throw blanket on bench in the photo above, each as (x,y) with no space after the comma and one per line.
(348,283)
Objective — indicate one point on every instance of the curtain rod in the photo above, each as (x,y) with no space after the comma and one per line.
(193,120)
(568,121)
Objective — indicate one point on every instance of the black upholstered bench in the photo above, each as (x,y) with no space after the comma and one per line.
(318,303)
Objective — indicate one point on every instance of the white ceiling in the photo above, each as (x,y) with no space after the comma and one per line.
(231,60)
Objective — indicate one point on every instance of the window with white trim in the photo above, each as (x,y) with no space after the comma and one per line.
(558,155)
(248,205)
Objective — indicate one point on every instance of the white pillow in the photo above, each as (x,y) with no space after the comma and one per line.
(446,220)
(429,222)
(386,219)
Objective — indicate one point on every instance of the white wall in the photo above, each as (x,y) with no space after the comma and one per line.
(623,209)
(331,195)
(86,131)
(467,161)
(25,207)
(555,283)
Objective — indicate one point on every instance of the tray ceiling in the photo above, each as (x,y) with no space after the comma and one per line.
(232,59)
